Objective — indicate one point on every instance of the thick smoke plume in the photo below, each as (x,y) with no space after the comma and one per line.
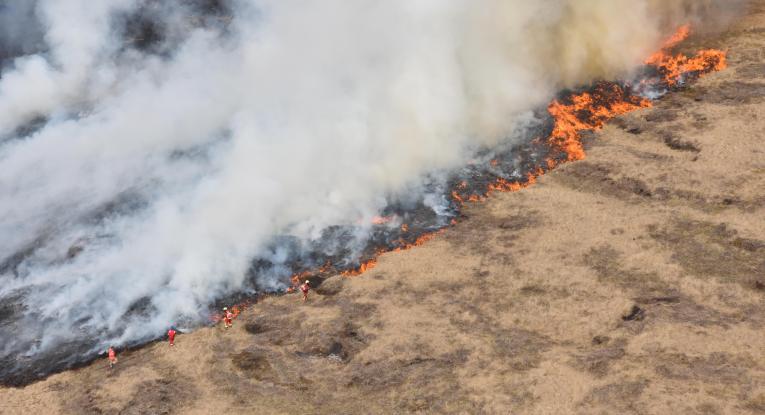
(150,150)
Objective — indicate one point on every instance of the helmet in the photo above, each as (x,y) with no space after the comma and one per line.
(225,308)
(306,281)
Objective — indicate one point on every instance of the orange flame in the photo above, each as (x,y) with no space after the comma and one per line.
(364,267)
(591,110)
(298,278)
(583,112)
(502,185)
(674,67)
(403,246)
(588,111)
(456,196)
(680,35)
(417,242)
(235,310)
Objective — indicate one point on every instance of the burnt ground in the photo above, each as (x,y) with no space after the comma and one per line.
(630,282)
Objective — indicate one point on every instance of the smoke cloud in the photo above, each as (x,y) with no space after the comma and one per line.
(149,150)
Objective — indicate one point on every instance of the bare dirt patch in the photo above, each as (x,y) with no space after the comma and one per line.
(710,250)
(715,368)
(162,396)
(733,93)
(619,396)
(254,363)
(602,178)
(598,360)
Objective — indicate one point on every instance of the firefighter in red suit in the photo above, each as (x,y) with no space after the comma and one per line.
(171,336)
(305,287)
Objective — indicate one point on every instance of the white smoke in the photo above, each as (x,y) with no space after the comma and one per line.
(278,117)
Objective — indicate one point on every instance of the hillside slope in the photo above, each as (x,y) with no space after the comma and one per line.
(630,282)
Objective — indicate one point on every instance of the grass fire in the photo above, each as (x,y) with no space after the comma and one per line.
(574,113)
(304,200)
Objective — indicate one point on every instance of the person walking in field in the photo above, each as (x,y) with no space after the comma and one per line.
(228,318)
(305,287)
(112,357)
(171,336)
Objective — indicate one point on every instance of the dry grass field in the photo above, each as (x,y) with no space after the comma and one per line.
(630,282)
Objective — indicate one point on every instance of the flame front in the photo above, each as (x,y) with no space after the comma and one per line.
(364,267)
(675,68)
(589,111)
(236,310)
(585,111)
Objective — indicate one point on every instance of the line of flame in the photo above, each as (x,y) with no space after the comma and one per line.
(588,111)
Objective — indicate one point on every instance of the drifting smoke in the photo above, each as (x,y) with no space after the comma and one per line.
(150,150)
